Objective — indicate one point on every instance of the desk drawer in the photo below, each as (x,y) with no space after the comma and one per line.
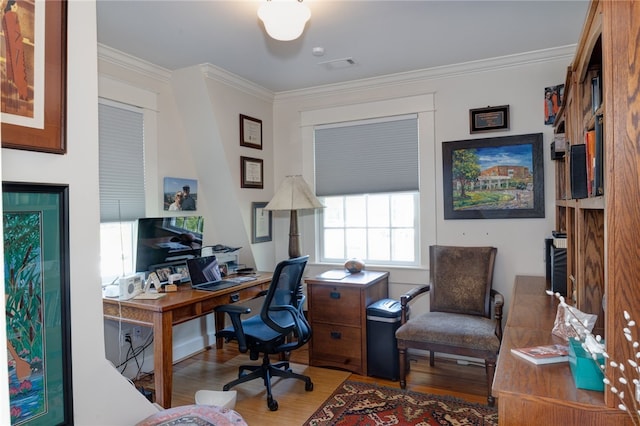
(336,304)
(337,346)
(234,297)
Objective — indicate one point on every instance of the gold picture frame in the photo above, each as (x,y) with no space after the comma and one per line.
(48,99)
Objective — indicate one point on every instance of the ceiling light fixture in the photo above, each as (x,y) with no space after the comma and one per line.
(284,20)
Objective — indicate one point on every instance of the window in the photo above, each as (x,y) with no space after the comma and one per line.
(378,228)
(122,199)
(367,177)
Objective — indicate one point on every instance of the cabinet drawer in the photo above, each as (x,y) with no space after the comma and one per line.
(339,345)
(336,304)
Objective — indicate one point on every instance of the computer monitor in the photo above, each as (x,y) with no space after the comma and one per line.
(167,239)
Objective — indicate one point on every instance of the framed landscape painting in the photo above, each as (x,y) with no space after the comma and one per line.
(36,271)
(494,178)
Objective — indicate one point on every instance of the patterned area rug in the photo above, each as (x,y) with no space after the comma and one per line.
(355,403)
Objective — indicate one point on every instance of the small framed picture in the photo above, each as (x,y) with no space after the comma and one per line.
(260,223)
(252,173)
(250,132)
(489,119)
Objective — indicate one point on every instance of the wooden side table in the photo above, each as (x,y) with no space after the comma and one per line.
(337,303)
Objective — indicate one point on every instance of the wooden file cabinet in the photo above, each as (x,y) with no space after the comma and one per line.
(337,303)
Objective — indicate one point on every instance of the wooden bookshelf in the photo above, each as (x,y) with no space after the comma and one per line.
(603,232)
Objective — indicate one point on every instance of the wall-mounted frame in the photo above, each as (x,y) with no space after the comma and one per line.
(251,173)
(261,224)
(494,178)
(489,119)
(180,194)
(250,132)
(36,258)
(34,112)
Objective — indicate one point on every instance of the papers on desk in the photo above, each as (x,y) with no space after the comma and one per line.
(150,296)
(334,274)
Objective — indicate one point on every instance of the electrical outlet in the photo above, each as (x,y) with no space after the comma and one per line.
(137,334)
(123,334)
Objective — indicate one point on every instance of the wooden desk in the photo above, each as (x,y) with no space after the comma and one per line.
(175,308)
(530,394)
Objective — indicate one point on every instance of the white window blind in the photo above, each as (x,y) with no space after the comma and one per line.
(121,133)
(366,157)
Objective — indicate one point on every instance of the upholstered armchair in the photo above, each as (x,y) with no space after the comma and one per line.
(459,321)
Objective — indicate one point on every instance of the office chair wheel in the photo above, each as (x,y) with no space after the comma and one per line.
(226,387)
(308,386)
(272,404)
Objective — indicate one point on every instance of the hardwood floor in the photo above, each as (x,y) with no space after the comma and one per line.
(199,372)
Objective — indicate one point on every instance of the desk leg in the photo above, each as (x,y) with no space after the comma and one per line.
(219,323)
(163,357)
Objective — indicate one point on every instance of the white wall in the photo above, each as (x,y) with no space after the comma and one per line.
(518,81)
(197,112)
(97,387)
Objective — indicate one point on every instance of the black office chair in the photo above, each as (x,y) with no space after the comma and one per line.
(281,327)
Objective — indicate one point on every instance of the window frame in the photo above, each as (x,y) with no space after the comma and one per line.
(415,228)
(424,106)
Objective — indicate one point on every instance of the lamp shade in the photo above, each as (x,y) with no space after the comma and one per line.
(294,194)
(284,20)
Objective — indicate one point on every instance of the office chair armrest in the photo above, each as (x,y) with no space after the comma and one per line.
(296,314)
(409,296)
(498,303)
(234,312)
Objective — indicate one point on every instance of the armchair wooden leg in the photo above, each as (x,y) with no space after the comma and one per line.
(402,358)
(490,368)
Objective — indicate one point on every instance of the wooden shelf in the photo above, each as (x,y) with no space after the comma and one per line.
(603,236)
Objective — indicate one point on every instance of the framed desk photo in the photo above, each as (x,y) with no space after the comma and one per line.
(260,223)
(34,91)
(489,119)
(250,132)
(36,257)
(252,173)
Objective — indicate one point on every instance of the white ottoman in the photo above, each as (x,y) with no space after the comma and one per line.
(224,399)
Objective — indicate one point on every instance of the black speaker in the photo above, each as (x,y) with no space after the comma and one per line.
(559,270)
(578,171)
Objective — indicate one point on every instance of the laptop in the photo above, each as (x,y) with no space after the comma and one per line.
(205,274)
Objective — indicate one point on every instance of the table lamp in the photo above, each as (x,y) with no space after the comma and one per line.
(294,194)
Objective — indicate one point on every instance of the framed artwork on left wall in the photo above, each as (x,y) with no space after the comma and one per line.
(36,258)
(34,90)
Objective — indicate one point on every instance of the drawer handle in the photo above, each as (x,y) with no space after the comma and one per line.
(334,295)
(234,297)
(336,335)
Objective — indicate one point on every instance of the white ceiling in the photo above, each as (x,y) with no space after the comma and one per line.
(382,37)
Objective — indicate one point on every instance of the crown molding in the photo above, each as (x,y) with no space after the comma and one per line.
(225,77)
(448,71)
(132,63)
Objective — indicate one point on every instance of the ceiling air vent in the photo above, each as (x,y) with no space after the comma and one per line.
(338,63)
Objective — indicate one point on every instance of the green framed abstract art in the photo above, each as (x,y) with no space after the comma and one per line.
(36,272)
